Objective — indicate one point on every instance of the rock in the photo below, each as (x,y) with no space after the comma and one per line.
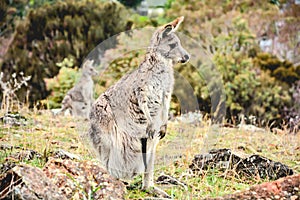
(12,159)
(190,118)
(5,166)
(60,179)
(266,168)
(220,158)
(22,155)
(26,182)
(85,179)
(250,128)
(283,188)
(65,155)
(25,155)
(250,167)
(14,119)
(8,147)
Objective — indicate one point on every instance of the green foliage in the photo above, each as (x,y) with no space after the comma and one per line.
(269,100)
(249,90)
(50,33)
(255,83)
(143,21)
(3,10)
(235,66)
(168,4)
(38,3)
(283,71)
(62,83)
(21,7)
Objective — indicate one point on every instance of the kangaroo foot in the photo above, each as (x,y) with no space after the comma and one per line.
(157,192)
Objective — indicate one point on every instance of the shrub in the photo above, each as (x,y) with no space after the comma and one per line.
(9,101)
(228,35)
(50,33)
(62,83)
(283,71)
(248,89)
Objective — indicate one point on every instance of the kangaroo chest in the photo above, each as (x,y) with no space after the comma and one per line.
(159,88)
(160,85)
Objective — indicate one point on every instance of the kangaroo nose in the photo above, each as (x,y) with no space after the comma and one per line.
(185,58)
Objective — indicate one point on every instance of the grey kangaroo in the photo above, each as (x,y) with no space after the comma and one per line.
(128,120)
(79,99)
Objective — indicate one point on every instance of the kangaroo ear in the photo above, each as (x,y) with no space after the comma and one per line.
(167,30)
(176,23)
(88,63)
(171,27)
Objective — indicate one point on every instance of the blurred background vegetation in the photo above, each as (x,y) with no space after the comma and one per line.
(254,45)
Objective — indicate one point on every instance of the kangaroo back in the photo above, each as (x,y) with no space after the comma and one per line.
(79,99)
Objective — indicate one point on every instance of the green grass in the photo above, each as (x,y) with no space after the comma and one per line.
(45,134)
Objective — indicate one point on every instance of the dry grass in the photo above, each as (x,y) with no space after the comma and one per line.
(176,151)
(45,134)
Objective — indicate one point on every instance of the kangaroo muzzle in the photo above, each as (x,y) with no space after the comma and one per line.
(185,58)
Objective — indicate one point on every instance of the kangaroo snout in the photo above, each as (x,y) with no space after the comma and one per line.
(185,58)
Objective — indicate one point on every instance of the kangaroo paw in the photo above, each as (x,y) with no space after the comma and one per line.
(150,131)
(163,130)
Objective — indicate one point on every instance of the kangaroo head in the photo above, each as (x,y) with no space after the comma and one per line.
(167,44)
(88,69)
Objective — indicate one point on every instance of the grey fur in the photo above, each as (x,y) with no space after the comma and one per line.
(136,107)
(79,99)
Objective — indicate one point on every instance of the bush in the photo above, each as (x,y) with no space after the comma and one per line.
(50,33)
(252,85)
(283,71)
(61,84)
(9,101)
(249,90)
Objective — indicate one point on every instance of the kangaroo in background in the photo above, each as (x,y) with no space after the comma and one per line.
(128,120)
(79,99)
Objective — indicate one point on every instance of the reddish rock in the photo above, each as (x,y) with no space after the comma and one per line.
(284,188)
(85,179)
(60,180)
(26,182)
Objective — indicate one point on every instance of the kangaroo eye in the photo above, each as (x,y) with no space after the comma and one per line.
(172,46)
